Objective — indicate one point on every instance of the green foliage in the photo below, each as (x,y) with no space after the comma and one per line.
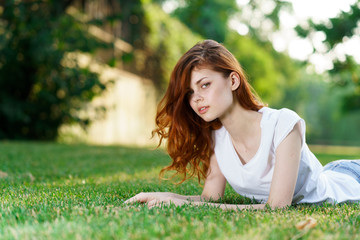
(38,90)
(209,18)
(341,26)
(347,75)
(320,104)
(346,71)
(53,191)
(262,17)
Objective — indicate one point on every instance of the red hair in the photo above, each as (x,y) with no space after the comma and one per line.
(189,137)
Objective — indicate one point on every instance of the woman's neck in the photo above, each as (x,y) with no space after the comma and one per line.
(241,123)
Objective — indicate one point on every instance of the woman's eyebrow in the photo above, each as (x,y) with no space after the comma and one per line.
(198,81)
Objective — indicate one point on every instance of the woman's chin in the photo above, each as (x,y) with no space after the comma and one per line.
(207,119)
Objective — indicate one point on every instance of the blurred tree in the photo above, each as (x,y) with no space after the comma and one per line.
(259,66)
(316,100)
(262,17)
(122,18)
(339,31)
(209,18)
(38,91)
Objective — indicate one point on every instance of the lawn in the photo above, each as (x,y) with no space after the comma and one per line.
(58,191)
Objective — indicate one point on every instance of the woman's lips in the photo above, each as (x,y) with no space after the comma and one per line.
(203,110)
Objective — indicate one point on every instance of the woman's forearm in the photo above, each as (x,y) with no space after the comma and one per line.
(193,198)
(230,206)
(157,198)
(201,200)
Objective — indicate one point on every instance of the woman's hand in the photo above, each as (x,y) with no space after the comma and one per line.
(153,199)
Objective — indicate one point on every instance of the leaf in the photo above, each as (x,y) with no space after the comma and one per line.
(306,224)
(3,174)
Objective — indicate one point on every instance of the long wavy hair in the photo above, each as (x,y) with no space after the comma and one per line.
(189,138)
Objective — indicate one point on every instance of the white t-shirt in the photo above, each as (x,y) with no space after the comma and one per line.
(253,179)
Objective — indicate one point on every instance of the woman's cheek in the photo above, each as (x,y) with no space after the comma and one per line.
(192,106)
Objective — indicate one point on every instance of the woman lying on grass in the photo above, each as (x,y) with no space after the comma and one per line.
(215,123)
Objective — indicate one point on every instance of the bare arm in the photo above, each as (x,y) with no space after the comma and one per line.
(281,190)
(284,177)
(286,169)
(214,186)
(215,182)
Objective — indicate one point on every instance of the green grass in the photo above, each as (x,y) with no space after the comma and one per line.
(58,191)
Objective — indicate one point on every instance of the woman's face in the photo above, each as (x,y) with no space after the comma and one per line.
(211,94)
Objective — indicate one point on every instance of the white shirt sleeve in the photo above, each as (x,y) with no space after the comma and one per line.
(285,124)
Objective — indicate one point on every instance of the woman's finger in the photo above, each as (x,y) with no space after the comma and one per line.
(132,200)
(152,203)
(141,197)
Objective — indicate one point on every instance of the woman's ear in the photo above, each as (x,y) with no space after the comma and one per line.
(235,80)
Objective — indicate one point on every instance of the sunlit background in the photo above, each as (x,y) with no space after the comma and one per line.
(94,71)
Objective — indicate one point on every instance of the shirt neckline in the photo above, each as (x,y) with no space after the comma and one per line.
(237,158)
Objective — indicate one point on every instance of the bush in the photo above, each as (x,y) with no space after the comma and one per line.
(37,92)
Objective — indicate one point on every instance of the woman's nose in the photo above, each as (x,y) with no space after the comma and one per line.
(197,97)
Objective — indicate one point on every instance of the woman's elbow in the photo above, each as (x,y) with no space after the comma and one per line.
(211,197)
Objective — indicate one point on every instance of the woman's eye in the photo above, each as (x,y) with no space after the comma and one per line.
(205,85)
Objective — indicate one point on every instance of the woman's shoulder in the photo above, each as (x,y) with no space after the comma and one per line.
(279,114)
(285,123)
(288,116)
